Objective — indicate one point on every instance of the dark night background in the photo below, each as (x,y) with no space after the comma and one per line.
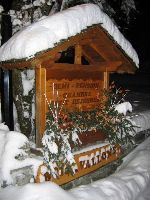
(6,4)
(138,34)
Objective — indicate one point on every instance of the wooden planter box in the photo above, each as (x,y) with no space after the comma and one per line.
(91,137)
(87,162)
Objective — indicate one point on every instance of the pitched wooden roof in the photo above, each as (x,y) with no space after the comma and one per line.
(94,43)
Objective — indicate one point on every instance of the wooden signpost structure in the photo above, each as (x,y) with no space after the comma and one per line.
(78,80)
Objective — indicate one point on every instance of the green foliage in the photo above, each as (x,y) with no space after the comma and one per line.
(58,139)
(117,127)
(63,129)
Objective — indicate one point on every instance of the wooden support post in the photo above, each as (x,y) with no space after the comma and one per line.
(78,54)
(106,80)
(40,103)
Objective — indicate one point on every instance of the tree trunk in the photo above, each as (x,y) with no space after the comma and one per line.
(23,105)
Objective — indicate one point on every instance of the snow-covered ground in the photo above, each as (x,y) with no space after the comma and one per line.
(14,154)
(130,182)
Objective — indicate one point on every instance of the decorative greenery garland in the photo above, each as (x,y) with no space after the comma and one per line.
(63,129)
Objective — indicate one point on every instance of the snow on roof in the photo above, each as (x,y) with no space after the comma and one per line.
(50,30)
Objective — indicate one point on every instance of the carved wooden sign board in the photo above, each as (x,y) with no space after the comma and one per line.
(74,95)
(70,92)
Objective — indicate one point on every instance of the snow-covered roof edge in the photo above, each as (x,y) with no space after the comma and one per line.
(50,30)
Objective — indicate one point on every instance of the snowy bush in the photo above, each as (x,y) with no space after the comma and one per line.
(58,139)
(123,108)
(14,154)
(111,116)
(63,129)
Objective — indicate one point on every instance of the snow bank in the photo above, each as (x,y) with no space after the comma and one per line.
(12,147)
(48,31)
(123,108)
(42,191)
(141,120)
(126,184)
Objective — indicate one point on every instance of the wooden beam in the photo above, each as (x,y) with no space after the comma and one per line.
(126,68)
(16,64)
(106,52)
(76,71)
(100,66)
(31,63)
(91,54)
(50,58)
(103,43)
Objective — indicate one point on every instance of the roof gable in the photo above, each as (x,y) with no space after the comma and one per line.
(94,44)
(50,31)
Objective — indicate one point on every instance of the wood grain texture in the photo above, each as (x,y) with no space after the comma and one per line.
(84,169)
(40,104)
